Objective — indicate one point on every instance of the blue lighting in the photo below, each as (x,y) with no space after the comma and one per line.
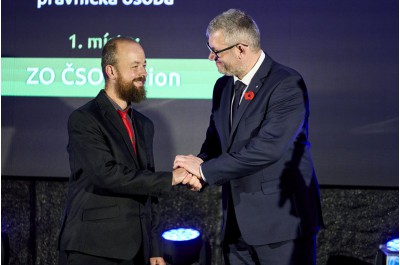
(393,245)
(181,234)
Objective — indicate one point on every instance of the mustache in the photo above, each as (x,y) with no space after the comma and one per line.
(142,79)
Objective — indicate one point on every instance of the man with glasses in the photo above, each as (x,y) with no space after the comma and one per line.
(256,148)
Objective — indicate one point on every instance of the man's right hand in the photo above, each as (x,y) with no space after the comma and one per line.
(181,176)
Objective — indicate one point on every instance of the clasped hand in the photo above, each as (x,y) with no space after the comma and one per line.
(187,172)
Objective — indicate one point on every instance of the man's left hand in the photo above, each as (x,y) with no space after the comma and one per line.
(157,261)
(190,163)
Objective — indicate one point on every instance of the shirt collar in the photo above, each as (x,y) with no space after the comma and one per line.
(247,78)
(117,107)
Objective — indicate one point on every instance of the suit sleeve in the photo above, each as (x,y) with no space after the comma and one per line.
(95,153)
(283,122)
(156,229)
(155,223)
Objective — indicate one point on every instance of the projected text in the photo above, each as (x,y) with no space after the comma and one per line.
(42,3)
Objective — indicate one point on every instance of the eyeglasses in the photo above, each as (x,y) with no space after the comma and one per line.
(227,48)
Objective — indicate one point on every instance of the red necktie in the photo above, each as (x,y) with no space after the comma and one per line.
(128,126)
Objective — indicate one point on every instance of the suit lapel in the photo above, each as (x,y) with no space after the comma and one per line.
(223,116)
(253,88)
(112,116)
(140,140)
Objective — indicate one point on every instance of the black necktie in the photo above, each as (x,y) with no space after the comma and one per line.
(239,87)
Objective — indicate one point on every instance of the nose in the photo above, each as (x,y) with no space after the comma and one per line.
(212,56)
(143,71)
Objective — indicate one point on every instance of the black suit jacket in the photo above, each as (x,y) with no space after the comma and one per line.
(263,158)
(112,198)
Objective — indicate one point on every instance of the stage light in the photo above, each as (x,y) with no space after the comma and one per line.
(393,245)
(181,246)
(388,253)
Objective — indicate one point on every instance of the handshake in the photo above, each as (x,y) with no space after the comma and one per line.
(186,171)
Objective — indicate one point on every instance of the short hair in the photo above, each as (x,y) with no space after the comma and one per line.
(236,27)
(108,56)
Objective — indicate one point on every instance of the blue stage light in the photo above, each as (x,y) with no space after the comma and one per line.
(393,245)
(388,253)
(181,246)
(181,234)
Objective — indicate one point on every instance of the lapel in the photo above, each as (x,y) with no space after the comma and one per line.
(254,87)
(222,108)
(140,138)
(112,116)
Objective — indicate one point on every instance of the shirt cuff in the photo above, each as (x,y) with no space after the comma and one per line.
(202,175)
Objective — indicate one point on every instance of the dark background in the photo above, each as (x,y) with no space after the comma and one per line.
(347,52)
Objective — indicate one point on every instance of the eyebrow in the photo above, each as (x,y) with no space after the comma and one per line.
(138,62)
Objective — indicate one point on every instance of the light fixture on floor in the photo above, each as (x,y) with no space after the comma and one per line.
(388,253)
(181,246)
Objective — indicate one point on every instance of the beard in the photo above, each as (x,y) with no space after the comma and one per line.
(228,69)
(127,91)
(231,68)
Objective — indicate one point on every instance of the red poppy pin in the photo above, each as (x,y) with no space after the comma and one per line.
(249,95)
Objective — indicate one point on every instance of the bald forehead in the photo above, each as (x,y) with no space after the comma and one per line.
(129,52)
(126,47)
(129,44)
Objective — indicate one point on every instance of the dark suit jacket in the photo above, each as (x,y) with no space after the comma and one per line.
(264,157)
(112,198)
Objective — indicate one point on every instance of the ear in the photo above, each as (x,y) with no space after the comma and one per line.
(110,71)
(242,50)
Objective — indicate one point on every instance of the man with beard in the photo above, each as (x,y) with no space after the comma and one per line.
(111,211)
